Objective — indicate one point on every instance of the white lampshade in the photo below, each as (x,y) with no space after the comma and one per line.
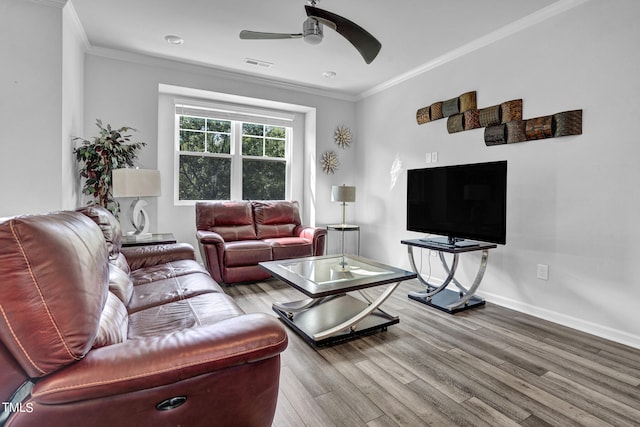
(135,182)
(343,193)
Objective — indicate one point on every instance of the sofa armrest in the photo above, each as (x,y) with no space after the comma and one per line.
(146,256)
(137,365)
(209,237)
(212,251)
(316,234)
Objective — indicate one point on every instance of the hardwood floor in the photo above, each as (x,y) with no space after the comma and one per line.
(489,366)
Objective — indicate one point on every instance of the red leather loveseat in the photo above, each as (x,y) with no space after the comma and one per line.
(91,335)
(234,236)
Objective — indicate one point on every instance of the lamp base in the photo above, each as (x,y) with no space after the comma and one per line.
(139,218)
(342,266)
(139,237)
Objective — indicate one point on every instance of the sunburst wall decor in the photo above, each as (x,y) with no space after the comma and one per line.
(342,136)
(329,162)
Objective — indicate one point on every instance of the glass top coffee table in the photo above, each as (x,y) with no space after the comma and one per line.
(331,314)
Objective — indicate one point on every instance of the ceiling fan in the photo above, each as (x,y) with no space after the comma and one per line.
(312,33)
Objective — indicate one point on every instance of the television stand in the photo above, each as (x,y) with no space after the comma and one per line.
(449,242)
(448,300)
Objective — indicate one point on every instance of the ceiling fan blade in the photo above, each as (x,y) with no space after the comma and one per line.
(361,39)
(257,35)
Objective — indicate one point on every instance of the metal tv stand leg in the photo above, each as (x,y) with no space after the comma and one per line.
(446,299)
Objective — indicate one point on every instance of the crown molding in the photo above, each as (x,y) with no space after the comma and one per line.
(508,30)
(170,63)
(78,28)
(54,3)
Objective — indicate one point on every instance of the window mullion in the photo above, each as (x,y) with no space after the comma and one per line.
(236,160)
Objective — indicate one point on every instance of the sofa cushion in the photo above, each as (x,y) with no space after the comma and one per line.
(200,310)
(290,247)
(114,323)
(276,218)
(54,285)
(120,284)
(246,252)
(167,270)
(171,289)
(232,220)
(121,262)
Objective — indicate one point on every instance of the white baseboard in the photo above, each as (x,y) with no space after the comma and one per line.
(562,319)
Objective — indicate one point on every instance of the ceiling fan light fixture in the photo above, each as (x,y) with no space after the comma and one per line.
(312,31)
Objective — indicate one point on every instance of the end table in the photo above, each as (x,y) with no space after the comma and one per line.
(155,239)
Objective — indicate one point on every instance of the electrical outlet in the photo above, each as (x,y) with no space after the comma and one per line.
(434,157)
(543,272)
(427,158)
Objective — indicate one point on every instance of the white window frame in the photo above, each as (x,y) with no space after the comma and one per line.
(237,115)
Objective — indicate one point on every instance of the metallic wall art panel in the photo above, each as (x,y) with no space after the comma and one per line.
(471,119)
(516,131)
(503,123)
(495,135)
(423,115)
(539,128)
(490,116)
(436,111)
(567,123)
(468,101)
(451,107)
(511,110)
(455,123)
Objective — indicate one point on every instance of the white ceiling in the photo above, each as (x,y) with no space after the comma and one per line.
(413,33)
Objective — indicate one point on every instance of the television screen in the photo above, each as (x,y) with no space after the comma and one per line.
(459,202)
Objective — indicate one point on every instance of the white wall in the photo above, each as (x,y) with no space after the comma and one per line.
(123,89)
(572,201)
(30,109)
(73,46)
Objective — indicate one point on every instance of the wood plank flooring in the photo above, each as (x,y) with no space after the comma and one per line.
(489,366)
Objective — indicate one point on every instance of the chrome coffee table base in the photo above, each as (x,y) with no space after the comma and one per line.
(337,318)
(338,308)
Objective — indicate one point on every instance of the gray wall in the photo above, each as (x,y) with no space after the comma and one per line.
(41,82)
(572,201)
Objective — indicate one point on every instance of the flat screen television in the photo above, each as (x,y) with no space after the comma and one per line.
(459,202)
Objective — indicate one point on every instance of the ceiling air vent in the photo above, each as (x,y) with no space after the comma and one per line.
(258,63)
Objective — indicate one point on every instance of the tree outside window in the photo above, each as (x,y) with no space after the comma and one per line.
(211,149)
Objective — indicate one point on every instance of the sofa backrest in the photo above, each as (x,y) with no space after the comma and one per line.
(232,220)
(53,287)
(276,218)
(109,225)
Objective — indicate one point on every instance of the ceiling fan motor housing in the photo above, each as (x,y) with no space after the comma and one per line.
(312,31)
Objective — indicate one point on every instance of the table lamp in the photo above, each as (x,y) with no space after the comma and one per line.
(137,183)
(343,194)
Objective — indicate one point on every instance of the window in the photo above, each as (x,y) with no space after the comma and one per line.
(231,156)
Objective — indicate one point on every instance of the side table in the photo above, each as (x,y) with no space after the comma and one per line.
(439,297)
(343,228)
(155,239)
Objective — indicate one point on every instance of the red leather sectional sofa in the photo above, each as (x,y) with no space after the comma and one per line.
(94,335)
(235,236)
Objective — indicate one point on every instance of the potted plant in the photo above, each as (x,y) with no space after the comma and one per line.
(109,150)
